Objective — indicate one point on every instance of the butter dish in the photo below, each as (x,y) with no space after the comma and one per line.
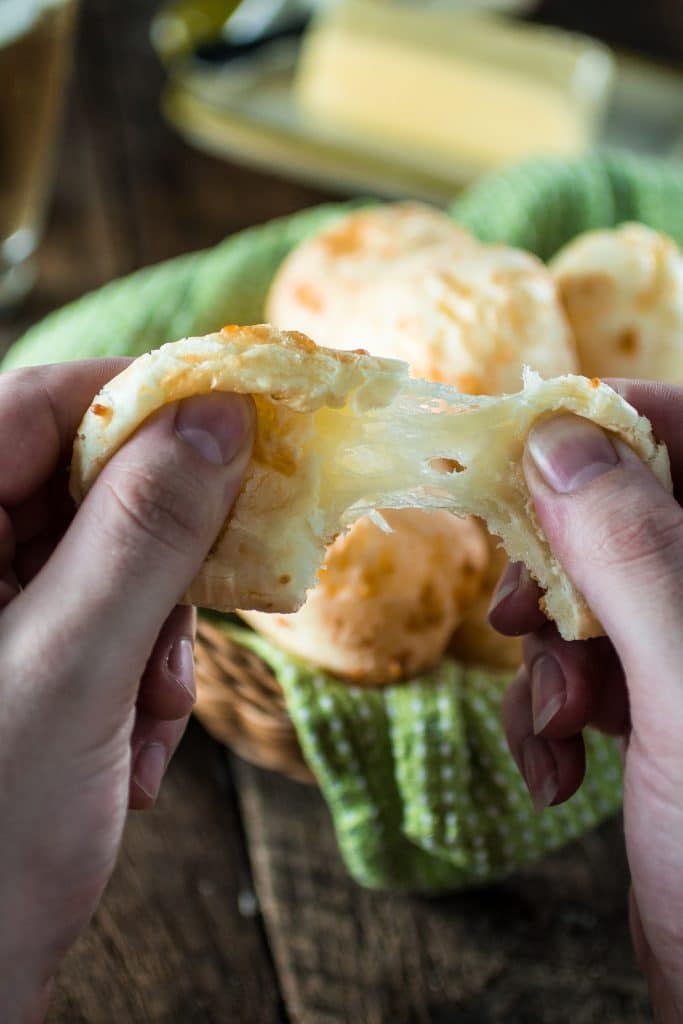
(456,85)
(250,107)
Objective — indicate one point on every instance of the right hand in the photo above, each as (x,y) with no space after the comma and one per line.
(619,536)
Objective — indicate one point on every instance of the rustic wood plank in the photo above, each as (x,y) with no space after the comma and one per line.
(549,945)
(178,937)
(168,198)
(169,942)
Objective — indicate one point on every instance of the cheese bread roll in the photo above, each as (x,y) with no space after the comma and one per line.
(413,285)
(622,291)
(387,602)
(474,641)
(455,310)
(341,434)
(323,279)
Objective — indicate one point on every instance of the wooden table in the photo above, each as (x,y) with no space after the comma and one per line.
(230,903)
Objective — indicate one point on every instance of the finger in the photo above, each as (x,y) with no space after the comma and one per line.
(153,744)
(663,406)
(32,516)
(167,689)
(49,505)
(30,558)
(39,525)
(40,409)
(514,606)
(662,984)
(574,684)
(641,946)
(619,536)
(9,587)
(552,769)
(7,541)
(135,545)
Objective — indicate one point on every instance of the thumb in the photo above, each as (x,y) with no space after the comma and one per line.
(617,532)
(139,538)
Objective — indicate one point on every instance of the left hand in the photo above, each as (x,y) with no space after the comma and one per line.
(96,664)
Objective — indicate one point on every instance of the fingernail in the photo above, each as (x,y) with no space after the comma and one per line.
(215,426)
(510,582)
(569,452)
(540,772)
(150,766)
(548,690)
(180,665)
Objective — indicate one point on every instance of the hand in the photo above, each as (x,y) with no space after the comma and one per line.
(619,535)
(96,668)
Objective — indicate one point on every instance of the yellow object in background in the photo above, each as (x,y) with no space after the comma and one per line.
(181,25)
(461,86)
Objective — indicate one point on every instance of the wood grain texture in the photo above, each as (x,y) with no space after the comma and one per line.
(178,936)
(170,942)
(550,945)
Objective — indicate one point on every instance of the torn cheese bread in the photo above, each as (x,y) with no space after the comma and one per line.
(407,282)
(342,434)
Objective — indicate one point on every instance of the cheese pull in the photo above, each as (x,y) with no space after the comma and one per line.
(341,435)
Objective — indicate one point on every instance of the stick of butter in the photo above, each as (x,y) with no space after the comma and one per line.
(458,85)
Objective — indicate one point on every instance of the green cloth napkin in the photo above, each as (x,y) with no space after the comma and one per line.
(538,205)
(422,789)
(193,294)
(417,777)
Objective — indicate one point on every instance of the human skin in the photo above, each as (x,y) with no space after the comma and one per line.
(93,701)
(96,666)
(619,536)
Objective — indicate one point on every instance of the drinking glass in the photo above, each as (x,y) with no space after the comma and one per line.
(35,49)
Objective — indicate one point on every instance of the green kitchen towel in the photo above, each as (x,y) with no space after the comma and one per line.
(422,789)
(193,294)
(417,777)
(538,205)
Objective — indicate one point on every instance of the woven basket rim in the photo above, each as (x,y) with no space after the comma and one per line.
(241,703)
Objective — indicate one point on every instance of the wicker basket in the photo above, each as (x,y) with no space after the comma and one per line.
(241,703)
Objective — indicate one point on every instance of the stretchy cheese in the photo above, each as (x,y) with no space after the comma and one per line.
(342,434)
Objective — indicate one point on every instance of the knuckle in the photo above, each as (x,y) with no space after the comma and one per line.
(170,513)
(20,379)
(17,396)
(641,538)
(20,389)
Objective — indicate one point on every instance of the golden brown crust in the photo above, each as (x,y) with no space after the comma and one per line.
(386,602)
(341,434)
(622,291)
(415,286)
(474,641)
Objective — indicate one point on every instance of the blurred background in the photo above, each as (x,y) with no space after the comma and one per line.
(282,102)
(134,130)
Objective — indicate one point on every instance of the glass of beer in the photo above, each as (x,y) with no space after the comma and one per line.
(35,50)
